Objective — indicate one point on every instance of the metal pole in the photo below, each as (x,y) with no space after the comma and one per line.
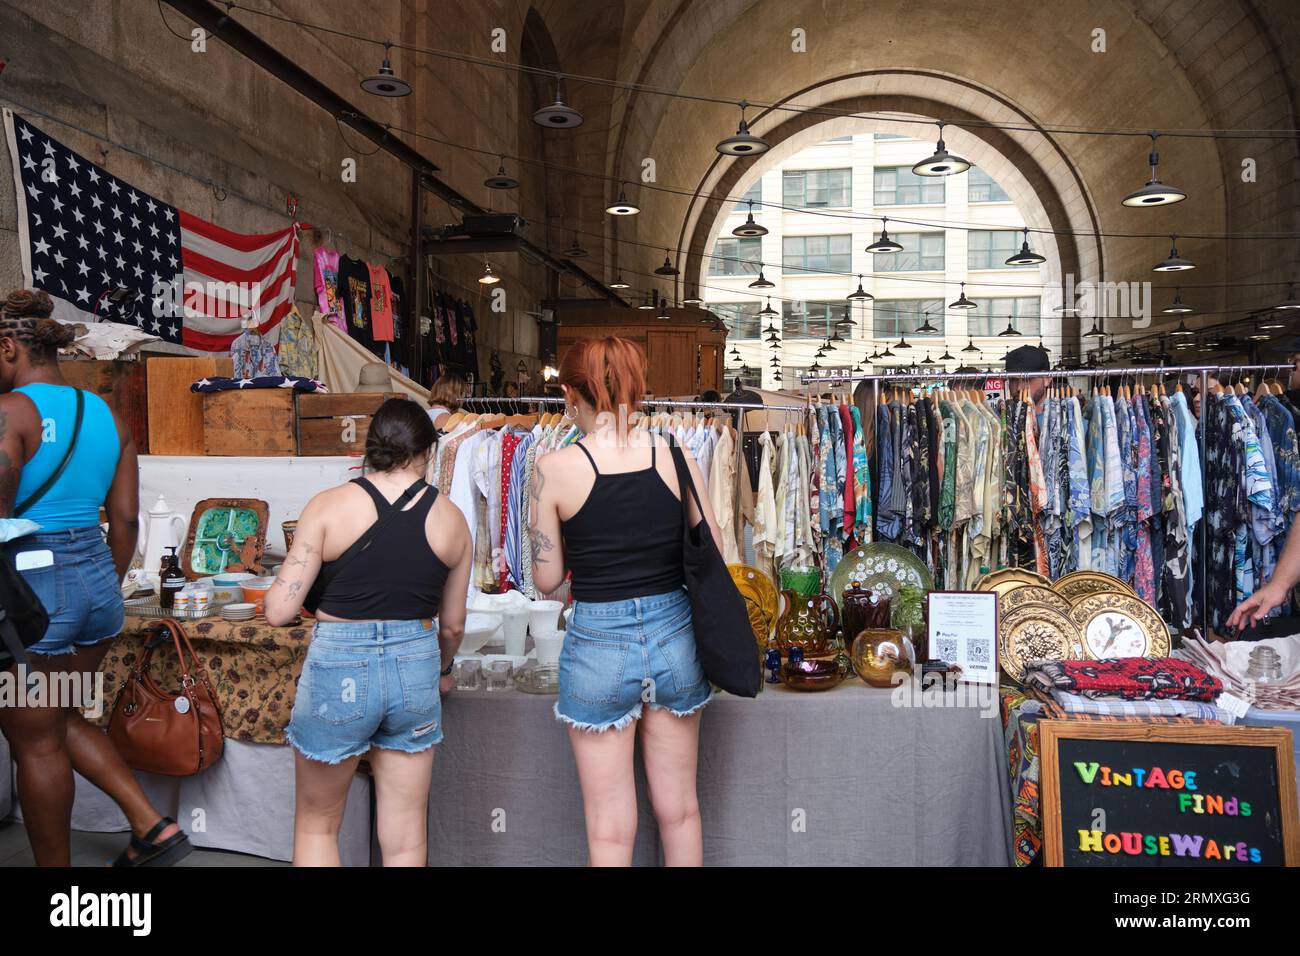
(1204,557)
(416,303)
(875,447)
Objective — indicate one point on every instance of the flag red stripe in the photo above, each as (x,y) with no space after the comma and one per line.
(206,342)
(236,240)
(221,308)
(222,272)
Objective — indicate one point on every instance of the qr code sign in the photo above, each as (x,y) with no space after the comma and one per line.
(977,651)
(946,648)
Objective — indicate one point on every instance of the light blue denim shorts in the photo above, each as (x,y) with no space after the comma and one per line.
(80,590)
(368,684)
(619,655)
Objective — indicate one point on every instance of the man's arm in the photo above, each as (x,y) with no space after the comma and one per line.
(1285,576)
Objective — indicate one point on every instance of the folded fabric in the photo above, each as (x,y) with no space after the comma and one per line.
(1074,704)
(220,384)
(1127,678)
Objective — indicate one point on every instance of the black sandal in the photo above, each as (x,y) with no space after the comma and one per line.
(150,853)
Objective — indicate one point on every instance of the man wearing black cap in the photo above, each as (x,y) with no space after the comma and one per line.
(1029,358)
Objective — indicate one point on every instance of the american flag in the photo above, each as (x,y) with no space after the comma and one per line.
(105,250)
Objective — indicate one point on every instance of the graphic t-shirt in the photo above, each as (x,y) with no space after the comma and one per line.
(354,292)
(327,286)
(381,304)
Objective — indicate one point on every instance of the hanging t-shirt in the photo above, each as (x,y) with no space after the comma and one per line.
(253,356)
(297,347)
(381,304)
(354,289)
(327,286)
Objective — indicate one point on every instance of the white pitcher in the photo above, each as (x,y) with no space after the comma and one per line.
(158,532)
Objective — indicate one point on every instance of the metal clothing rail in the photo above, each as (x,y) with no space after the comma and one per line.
(1202,370)
(653,403)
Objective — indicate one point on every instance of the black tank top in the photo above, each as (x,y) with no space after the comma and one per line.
(626,539)
(398,577)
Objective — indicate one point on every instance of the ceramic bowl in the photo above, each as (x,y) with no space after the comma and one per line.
(479,628)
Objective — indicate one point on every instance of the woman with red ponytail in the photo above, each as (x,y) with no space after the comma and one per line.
(608,510)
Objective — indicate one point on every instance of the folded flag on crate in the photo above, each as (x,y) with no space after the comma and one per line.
(107,251)
(295,382)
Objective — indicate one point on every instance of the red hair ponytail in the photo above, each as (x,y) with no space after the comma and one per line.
(607,373)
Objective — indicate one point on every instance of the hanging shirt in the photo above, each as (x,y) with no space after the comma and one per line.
(862,480)
(354,290)
(722,495)
(887,519)
(381,304)
(297,346)
(325,269)
(253,356)
(1189,460)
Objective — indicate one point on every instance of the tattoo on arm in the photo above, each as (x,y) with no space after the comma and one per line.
(293,557)
(539,479)
(540,542)
(293,586)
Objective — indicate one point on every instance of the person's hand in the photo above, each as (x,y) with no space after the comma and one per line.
(1252,610)
(446,685)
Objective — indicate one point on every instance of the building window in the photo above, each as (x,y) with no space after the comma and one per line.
(990,250)
(894,317)
(989,317)
(748,376)
(811,320)
(741,318)
(753,194)
(899,186)
(922,252)
(736,257)
(817,254)
(982,188)
(815,188)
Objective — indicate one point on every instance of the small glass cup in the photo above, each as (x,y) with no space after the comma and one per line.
(467,674)
(498,675)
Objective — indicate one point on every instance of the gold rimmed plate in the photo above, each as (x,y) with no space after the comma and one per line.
(760,600)
(1008,579)
(1079,584)
(1011,599)
(1034,632)
(1113,624)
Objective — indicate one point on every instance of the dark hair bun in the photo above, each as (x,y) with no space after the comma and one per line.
(400,432)
(53,334)
(28,303)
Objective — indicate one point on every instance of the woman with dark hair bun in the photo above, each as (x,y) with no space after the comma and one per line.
(63,455)
(376,560)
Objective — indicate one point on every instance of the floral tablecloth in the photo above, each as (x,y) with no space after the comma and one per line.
(253,667)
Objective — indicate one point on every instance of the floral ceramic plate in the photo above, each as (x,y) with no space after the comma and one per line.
(879,567)
(1080,584)
(760,599)
(1112,624)
(1034,632)
(1008,579)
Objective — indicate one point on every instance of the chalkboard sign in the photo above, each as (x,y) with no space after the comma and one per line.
(1161,795)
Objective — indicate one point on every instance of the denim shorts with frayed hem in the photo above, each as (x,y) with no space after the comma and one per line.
(368,684)
(79,587)
(619,656)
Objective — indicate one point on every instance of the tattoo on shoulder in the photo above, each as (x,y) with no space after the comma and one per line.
(539,480)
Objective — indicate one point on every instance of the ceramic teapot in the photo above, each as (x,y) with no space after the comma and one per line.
(160,529)
(809,622)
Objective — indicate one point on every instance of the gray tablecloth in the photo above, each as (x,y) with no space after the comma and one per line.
(842,777)
(244,802)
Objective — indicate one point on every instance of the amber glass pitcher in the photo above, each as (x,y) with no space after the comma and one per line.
(808,623)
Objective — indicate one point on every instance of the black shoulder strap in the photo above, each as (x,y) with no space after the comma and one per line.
(40,492)
(684,481)
(589,458)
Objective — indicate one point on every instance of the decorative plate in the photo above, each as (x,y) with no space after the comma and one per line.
(1009,600)
(879,567)
(1112,624)
(1008,579)
(1033,632)
(760,600)
(1079,584)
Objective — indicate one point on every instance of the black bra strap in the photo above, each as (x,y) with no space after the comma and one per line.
(589,458)
(381,503)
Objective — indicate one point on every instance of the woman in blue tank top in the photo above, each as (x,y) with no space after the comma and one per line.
(75,573)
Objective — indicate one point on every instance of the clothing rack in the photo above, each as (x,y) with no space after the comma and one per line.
(652,403)
(1202,370)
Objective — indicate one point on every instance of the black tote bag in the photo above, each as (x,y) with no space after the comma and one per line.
(724,638)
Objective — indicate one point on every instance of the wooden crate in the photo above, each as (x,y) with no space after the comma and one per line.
(121,384)
(250,422)
(336,423)
(176,413)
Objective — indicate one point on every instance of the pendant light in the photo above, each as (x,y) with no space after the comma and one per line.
(902,342)
(860,294)
(884,243)
(692,300)
(1064,309)
(558,115)
(386,82)
(945,357)
(622,206)
(887,353)
(1182,329)
(1176,307)
(962,302)
(771,329)
(928,360)
(767,309)
(926,328)
(942,162)
(488,277)
(744,143)
(815,366)
(501,180)
(1009,330)
(576,251)
(1154,193)
(735,353)
(1291,301)
(1272,322)
(1258,335)
(971,347)
(651,302)
(1025,257)
(750,229)
(1175,262)
(836,337)
(857,370)
(667,269)
(619,283)
(874,356)
(1095,331)
(663,309)
(761,282)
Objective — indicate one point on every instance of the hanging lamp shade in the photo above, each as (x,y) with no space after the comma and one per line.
(1175,262)
(667,269)
(1095,331)
(941,162)
(971,347)
(651,302)
(558,115)
(1154,193)
(1010,329)
(926,328)
(1177,307)
(663,309)
(1182,329)
(945,357)
(884,243)
(874,356)
(502,180)
(962,302)
(744,143)
(860,294)
(762,282)
(1026,256)
(386,82)
(618,283)
(928,360)
(488,277)
(887,353)
(576,251)
(767,309)
(622,206)
(902,342)
(749,229)
(1291,301)
(692,300)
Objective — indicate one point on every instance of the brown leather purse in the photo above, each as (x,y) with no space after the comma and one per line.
(173,734)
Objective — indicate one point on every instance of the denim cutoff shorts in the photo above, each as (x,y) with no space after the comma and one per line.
(368,684)
(80,590)
(619,655)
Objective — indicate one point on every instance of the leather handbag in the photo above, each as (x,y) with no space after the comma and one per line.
(23,619)
(724,638)
(178,734)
